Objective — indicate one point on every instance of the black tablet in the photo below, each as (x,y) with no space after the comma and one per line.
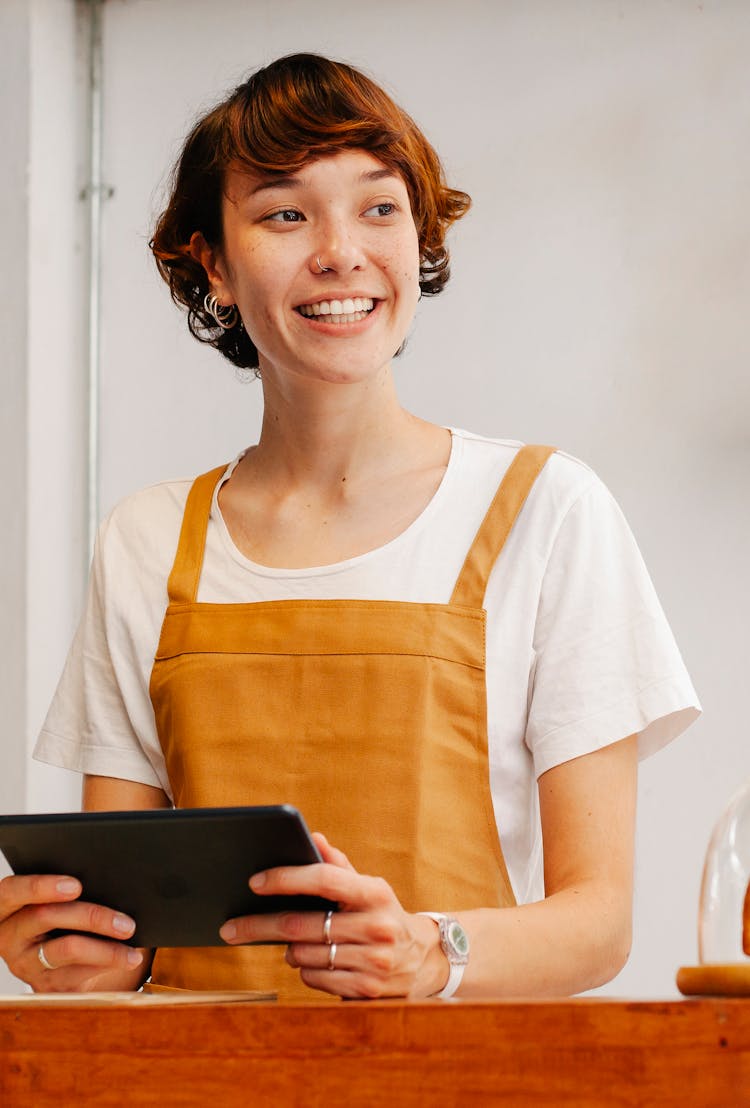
(179,873)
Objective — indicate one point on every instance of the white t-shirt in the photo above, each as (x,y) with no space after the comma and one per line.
(579,653)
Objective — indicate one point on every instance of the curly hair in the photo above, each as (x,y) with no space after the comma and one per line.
(295,110)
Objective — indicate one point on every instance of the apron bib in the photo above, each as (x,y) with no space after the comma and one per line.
(368,716)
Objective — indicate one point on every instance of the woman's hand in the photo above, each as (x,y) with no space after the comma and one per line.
(574,939)
(373,949)
(32,907)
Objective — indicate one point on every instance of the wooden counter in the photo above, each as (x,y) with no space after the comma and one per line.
(577,1052)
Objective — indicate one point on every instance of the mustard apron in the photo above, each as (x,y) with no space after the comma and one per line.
(369,716)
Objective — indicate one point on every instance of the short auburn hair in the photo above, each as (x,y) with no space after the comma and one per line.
(295,110)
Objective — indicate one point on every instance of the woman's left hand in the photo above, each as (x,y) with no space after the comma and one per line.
(373,948)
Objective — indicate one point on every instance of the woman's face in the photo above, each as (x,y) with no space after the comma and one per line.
(351,212)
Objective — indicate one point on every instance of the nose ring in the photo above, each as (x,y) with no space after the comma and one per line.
(321,267)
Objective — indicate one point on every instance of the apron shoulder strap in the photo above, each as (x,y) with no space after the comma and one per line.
(182,586)
(498,523)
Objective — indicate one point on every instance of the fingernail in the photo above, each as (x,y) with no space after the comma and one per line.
(257,881)
(68,885)
(135,957)
(228,932)
(122,923)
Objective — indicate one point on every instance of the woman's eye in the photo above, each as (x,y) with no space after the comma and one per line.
(384,209)
(286,215)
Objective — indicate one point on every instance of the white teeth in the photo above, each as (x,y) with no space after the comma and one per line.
(357,306)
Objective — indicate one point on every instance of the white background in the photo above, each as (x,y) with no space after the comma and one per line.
(599,301)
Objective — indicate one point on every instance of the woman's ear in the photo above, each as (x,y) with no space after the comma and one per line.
(213,263)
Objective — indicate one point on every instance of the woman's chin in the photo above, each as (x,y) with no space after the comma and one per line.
(328,371)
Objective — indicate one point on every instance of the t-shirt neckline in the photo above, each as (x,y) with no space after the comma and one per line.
(422,520)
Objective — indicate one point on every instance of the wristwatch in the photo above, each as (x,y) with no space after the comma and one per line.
(455,945)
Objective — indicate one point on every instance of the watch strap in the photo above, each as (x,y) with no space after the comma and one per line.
(456,969)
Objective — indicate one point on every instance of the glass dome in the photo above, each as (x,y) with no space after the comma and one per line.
(724,915)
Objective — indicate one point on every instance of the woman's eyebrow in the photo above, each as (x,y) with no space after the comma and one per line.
(293,180)
(378,174)
(287,182)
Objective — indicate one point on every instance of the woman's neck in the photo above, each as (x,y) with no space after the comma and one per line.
(339,470)
(320,434)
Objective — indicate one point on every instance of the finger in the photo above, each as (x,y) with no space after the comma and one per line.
(35,921)
(380,927)
(278,927)
(80,951)
(16,892)
(378,961)
(352,984)
(350,889)
(330,853)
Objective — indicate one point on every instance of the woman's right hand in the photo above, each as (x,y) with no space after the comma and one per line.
(32,907)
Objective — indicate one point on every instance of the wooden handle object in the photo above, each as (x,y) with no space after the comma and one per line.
(714,980)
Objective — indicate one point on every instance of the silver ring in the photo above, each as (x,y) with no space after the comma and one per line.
(327,927)
(321,267)
(43,958)
(332,956)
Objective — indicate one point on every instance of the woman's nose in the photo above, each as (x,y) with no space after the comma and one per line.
(338,250)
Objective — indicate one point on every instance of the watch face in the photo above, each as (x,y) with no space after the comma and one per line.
(458,939)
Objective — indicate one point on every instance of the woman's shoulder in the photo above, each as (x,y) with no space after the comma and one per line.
(142,529)
(148,511)
(154,509)
(137,540)
(563,480)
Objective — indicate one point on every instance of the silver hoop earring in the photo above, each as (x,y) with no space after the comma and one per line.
(321,267)
(225,315)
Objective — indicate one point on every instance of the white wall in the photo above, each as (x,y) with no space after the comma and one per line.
(42,496)
(599,301)
(56,372)
(14,142)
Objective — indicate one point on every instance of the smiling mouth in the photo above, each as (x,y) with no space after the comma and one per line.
(351,310)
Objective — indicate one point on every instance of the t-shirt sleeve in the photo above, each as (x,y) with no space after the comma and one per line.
(606,662)
(88,727)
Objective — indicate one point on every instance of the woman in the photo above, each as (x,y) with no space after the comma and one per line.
(394,626)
